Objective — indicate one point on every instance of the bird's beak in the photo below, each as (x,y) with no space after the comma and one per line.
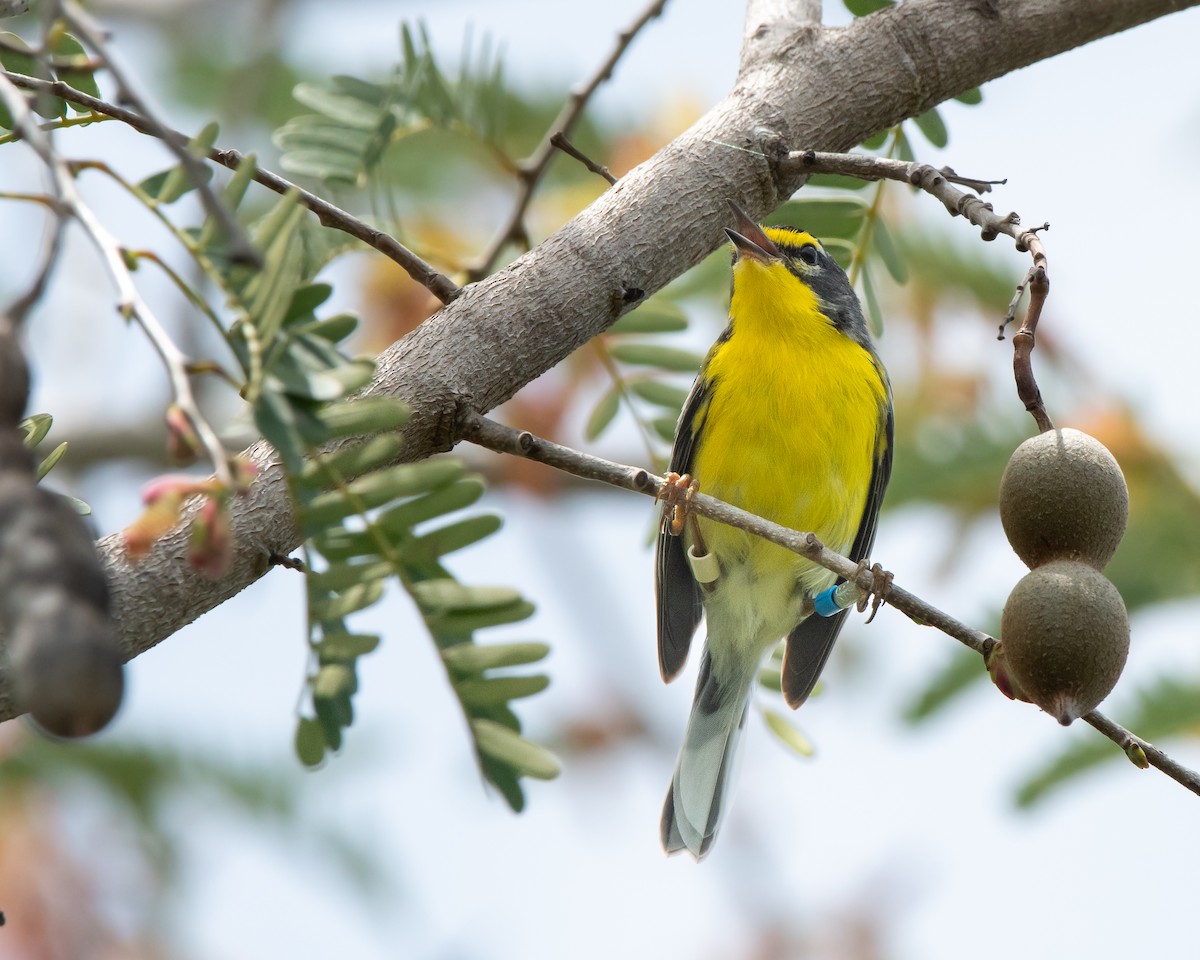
(748,238)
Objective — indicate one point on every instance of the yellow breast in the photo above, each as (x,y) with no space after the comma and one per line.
(791,427)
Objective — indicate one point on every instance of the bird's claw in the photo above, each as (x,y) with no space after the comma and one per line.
(881,586)
(676,495)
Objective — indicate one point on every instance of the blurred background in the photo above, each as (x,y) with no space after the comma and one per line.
(933,819)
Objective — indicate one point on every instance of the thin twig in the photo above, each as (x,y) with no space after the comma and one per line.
(129,303)
(487,433)
(560,141)
(241,249)
(1038,283)
(327,213)
(939,183)
(531,169)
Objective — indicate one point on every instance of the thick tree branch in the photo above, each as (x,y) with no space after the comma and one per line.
(660,219)
(768,22)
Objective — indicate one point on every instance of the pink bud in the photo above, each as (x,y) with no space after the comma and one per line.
(211,543)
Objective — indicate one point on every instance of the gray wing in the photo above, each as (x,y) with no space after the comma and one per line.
(809,645)
(678,595)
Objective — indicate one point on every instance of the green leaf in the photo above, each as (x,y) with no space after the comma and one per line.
(82,79)
(438,597)
(268,293)
(233,193)
(287,428)
(373,94)
(305,301)
(654,355)
(463,624)
(493,691)
(510,749)
(20,61)
(874,314)
(326,165)
(469,658)
(325,470)
(970,97)
(455,536)
(931,124)
(334,681)
(347,646)
(363,416)
(346,109)
(310,742)
(79,506)
(462,493)
(889,253)
(876,140)
(660,394)
(169,185)
(321,135)
(332,329)
(656,315)
(356,598)
(788,734)
(665,427)
(836,181)
(51,459)
(960,671)
(770,678)
(332,715)
(292,378)
(376,489)
(342,576)
(34,428)
(604,413)
(824,216)
(860,8)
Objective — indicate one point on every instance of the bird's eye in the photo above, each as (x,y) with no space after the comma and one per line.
(808,253)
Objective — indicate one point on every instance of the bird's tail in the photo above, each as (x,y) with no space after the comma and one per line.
(696,799)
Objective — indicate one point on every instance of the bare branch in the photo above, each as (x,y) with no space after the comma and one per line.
(531,170)
(939,183)
(130,303)
(502,439)
(566,146)
(327,213)
(241,250)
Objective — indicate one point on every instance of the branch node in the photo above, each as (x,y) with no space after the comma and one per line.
(526,441)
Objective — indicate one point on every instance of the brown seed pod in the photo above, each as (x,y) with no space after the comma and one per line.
(1065,637)
(1063,497)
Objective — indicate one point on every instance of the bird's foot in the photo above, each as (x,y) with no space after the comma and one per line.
(881,586)
(676,495)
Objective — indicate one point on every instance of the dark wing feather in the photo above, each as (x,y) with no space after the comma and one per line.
(678,595)
(809,645)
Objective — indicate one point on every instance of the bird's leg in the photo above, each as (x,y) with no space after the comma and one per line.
(677,494)
(881,585)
